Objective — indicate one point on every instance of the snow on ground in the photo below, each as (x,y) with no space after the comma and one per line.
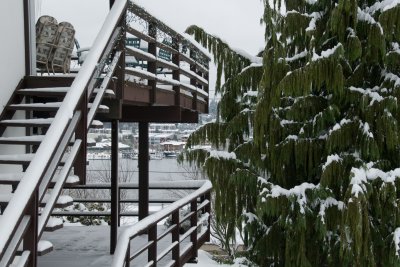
(205,260)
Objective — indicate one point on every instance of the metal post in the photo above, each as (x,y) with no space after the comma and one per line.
(176,73)
(120,71)
(206,88)
(81,133)
(30,240)
(30,37)
(208,210)
(114,186)
(128,255)
(193,236)
(152,251)
(175,237)
(152,66)
(193,82)
(143,170)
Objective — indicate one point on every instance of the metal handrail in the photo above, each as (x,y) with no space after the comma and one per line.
(29,183)
(122,252)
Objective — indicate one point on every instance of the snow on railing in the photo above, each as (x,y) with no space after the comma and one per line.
(134,230)
(34,172)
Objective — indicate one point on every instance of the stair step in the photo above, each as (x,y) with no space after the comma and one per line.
(91,142)
(96,124)
(16,158)
(21,159)
(15,178)
(11,178)
(28,122)
(62,201)
(101,108)
(55,91)
(22,140)
(49,106)
(54,224)
(44,247)
(108,93)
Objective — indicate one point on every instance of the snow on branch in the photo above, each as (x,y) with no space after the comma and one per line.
(327,203)
(328,53)
(330,159)
(222,154)
(368,92)
(382,6)
(298,191)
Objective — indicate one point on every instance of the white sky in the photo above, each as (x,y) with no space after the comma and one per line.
(235,21)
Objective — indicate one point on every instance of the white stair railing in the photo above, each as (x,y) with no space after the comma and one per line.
(15,211)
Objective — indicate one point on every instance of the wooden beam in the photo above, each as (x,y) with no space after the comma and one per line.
(167,114)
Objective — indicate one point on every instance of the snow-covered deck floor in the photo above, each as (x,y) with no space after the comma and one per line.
(89,246)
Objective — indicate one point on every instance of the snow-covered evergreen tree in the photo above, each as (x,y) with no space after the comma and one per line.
(305,153)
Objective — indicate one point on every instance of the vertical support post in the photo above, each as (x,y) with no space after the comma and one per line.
(120,71)
(143,170)
(175,237)
(193,235)
(128,255)
(30,240)
(30,38)
(206,88)
(81,133)
(152,250)
(193,82)
(152,66)
(176,73)
(114,186)
(208,210)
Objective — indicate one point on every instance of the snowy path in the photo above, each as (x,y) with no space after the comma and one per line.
(89,246)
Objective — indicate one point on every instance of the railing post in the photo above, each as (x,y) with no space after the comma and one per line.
(120,71)
(31,236)
(152,250)
(81,133)
(193,235)
(193,82)
(128,255)
(175,237)
(176,73)
(208,210)
(207,89)
(152,66)
(114,186)
(143,162)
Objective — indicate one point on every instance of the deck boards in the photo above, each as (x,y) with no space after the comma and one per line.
(89,246)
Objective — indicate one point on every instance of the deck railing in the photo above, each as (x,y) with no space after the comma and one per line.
(168,67)
(175,190)
(198,214)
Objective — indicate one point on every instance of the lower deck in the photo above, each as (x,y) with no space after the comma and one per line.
(90,246)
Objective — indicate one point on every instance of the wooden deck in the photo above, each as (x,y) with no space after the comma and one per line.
(89,246)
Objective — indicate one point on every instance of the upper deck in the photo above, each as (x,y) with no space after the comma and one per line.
(166,72)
